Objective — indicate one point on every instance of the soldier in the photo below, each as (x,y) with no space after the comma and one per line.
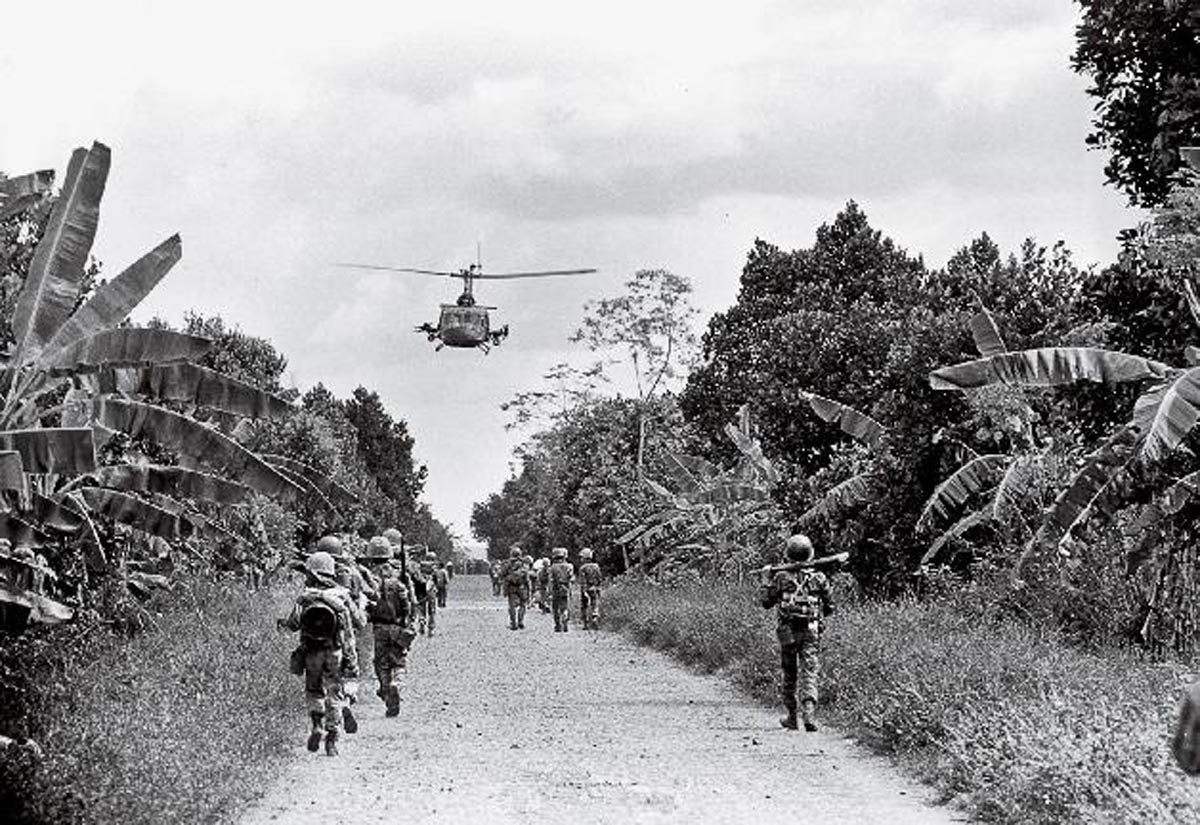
(348,576)
(542,568)
(494,571)
(802,598)
(326,651)
(516,588)
(428,605)
(589,590)
(389,617)
(441,583)
(560,577)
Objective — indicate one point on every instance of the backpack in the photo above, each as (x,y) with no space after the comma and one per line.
(388,607)
(799,604)
(560,577)
(319,624)
(517,574)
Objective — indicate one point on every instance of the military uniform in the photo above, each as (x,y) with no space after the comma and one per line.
(389,616)
(560,577)
(802,600)
(441,583)
(497,576)
(515,575)
(327,653)
(589,591)
(542,567)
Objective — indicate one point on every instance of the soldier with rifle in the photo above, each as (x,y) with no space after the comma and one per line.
(800,594)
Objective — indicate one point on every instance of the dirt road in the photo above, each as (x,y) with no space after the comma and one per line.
(500,726)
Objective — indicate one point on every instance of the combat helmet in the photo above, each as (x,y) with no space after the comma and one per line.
(799,548)
(528,559)
(320,565)
(379,549)
(558,553)
(393,536)
(515,552)
(330,544)
(585,553)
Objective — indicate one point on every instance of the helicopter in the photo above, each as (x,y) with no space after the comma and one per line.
(465,324)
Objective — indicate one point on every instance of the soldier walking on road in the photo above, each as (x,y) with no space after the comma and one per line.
(326,653)
(589,590)
(494,571)
(542,568)
(516,588)
(427,606)
(801,596)
(389,617)
(441,583)
(561,575)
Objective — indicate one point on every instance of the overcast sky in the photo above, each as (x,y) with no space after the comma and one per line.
(280,138)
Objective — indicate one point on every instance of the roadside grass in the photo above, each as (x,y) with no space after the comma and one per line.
(181,723)
(1006,720)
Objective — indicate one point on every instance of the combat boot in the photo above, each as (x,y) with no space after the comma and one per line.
(348,720)
(810,715)
(789,721)
(331,738)
(393,702)
(314,738)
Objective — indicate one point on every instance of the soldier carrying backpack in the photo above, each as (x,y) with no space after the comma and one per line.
(589,590)
(389,616)
(801,596)
(560,577)
(326,654)
(515,574)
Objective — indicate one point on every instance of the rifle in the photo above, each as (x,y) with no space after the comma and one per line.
(765,573)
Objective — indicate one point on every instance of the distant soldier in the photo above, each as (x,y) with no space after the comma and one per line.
(516,588)
(441,583)
(389,614)
(427,607)
(542,567)
(560,577)
(589,590)
(801,596)
(495,571)
(400,556)
(326,653)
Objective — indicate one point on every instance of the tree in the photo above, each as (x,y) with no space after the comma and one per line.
(1142,58)
(650,325)
(386,448)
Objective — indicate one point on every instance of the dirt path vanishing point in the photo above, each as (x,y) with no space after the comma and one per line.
(499,726)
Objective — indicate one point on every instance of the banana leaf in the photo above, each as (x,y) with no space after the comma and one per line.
(1048,367)
(852,422)
(726,493)
(19,193)
(61,450)
(1145,409)
(113,300)
(1014,488)
(973,477)
(94,556)
(1175,416)
(194,441)
(312,490)
(689,472)
(752,450)
(191,384)
(171,481)
(138,514)
(847,495)
(1176,497)
(55,515)
(21,533)
(959,528)
(55,274)
(986,334)
(1087,491)
(333,491)
(125,347)
(12,472)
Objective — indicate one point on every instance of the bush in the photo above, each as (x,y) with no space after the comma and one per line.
(181,723)
(1011,721)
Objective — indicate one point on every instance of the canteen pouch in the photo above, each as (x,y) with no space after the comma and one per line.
(296,661)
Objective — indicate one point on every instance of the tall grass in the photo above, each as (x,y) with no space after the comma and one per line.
(180,723)
(1009,721)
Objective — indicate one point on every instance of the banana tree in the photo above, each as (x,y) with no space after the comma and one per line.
(715,519)
(76,364)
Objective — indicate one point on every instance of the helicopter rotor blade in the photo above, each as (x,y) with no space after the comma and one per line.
(547,274)
(402,269)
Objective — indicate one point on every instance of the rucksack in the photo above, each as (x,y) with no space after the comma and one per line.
(517,574)
(386,609)
(319,623)
(798,604)
(560,577)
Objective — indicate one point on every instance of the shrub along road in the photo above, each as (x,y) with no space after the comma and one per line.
(503,726)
